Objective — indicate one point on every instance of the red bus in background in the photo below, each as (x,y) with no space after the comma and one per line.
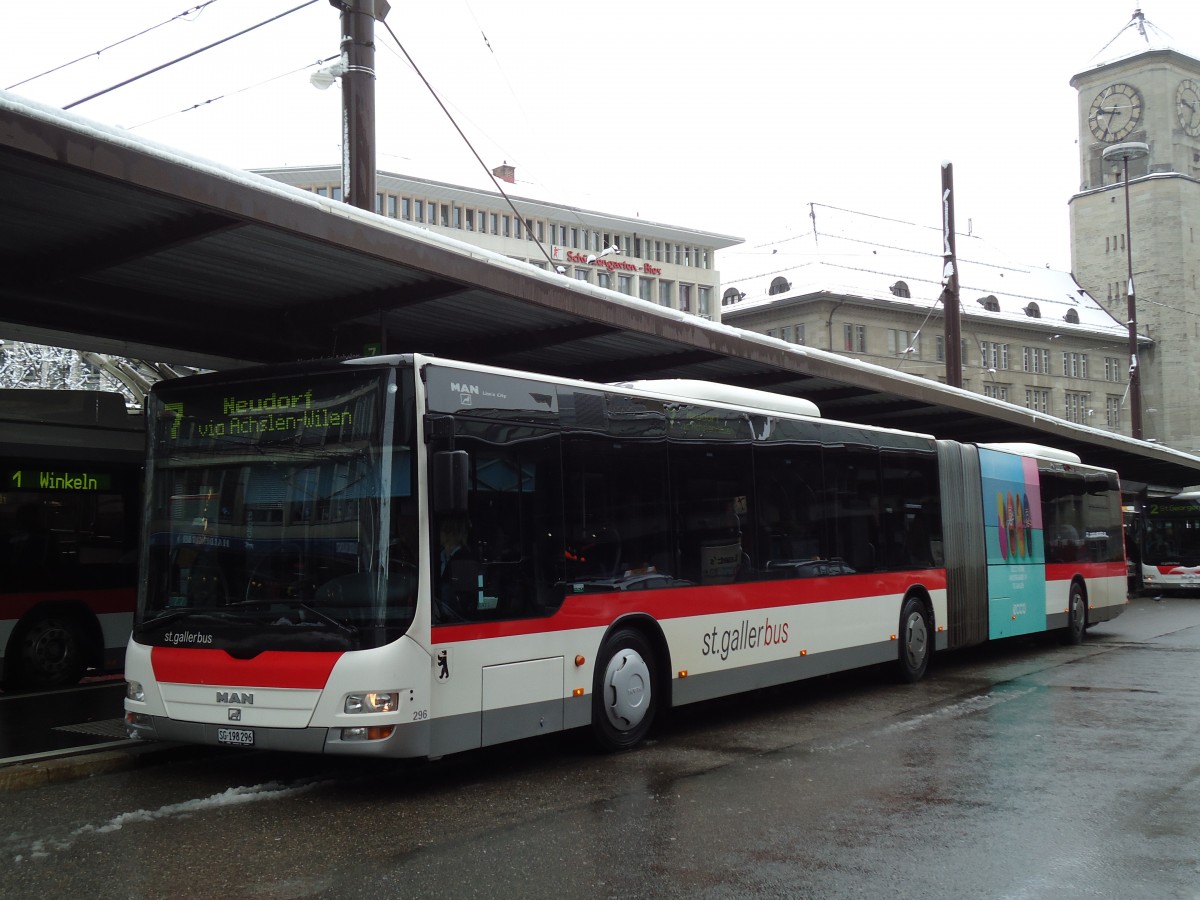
(70,474)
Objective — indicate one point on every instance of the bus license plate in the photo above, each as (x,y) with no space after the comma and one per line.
(240,737)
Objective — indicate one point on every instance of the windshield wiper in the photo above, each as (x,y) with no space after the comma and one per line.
(348,630)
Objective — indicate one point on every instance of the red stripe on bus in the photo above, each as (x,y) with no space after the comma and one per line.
(601,609)
(270,669)
(1067,571)
(99,600)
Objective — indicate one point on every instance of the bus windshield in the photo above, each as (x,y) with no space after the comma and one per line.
(1172,534)
(280,515)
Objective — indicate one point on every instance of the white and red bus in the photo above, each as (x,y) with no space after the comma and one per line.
(408,556)
(70,488)
(1168,543)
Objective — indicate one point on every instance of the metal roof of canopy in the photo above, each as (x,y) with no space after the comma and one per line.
(109,243)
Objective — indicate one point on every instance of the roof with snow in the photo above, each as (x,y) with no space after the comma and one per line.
(1138,35)
(860,255)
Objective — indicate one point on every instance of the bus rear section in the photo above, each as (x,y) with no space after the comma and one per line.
(1034,542)
(70,475)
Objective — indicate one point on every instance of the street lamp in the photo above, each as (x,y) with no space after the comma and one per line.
(1125,152)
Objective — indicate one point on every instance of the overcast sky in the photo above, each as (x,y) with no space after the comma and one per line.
(729,117)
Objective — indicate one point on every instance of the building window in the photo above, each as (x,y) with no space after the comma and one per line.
(996,391)
(990,303)
(731,296)
(1075,407)
(1037,400)
(664,293)
(494,221)
(939,348)
(1033,311)
(704,300)
(1112,412)
(406,209)
(445,216)
(685,298)
(581,274)
(800,338)
(604,279)
(854,338)
(625,284)
(1074,365)
(903,342)
(507,220)
(1072,316)
(392,205)
(646,289)
(419,210)
(1112,368)
(470,220)
(336,193)
(322,192)
(779,286)
(900,289)
(458,217)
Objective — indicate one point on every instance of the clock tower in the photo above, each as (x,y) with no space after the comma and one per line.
(1145,93)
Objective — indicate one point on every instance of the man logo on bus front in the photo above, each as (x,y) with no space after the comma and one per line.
(443,665)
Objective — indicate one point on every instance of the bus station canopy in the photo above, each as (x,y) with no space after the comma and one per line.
(112,244)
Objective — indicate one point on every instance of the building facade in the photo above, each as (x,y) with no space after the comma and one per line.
(663,264)
(871,288)
(1146,93)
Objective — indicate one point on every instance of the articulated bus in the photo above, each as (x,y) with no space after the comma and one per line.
(70,488)
(1168,543)
(408,556)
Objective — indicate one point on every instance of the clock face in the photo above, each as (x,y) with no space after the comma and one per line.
(1115,113)
(1187,98)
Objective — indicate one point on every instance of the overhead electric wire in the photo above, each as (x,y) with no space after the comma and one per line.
(467,141)
(189,55)
(248,87)
(186,12)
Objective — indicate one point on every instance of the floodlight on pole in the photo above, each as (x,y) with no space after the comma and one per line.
(1125,152)
(323,78)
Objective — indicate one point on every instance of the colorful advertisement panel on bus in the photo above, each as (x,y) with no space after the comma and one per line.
(1012,514)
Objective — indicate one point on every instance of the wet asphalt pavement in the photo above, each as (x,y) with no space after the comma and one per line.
(1024,770)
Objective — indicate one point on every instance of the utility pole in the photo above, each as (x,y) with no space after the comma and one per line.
(950,281)
(358,98)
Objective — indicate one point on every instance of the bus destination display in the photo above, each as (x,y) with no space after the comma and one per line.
(56,480)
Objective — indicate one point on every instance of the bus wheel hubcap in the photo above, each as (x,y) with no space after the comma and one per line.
(626,689)
(915,638)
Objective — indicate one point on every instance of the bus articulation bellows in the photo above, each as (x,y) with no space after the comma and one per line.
(408,556)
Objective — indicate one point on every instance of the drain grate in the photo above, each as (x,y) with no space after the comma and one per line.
(109,728)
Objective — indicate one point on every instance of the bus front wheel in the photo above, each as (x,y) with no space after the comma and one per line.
(48,652)
(623,693)
(915,645)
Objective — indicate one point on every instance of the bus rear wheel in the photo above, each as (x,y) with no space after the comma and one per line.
(624,695)
(1076,616)
(915,644)
(48,652)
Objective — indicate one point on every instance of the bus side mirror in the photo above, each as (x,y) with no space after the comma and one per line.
(451,473)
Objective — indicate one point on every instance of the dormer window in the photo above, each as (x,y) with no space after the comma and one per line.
(900,289)
(1072,316)
(1033,311)
(732,296)
(990,303)
(779,286)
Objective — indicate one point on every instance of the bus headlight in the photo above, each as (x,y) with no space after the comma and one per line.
(134,691)
(373,702)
